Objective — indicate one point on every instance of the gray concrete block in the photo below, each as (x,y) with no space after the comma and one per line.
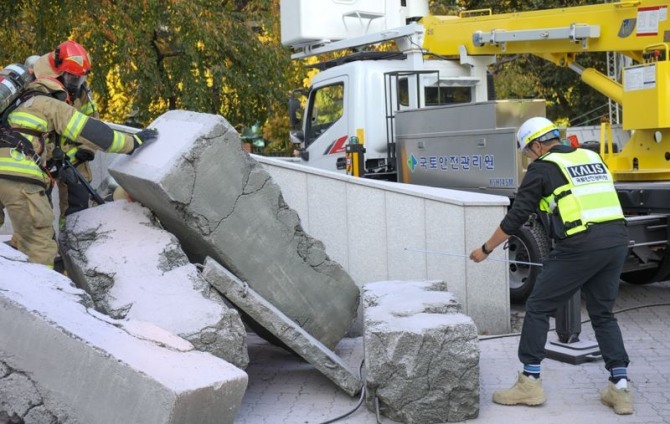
(221,203)
(18,394)
(135,269)
(90,368)
(421,353)
(291,334)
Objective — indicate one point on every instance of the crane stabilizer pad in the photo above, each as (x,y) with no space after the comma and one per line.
(573,353)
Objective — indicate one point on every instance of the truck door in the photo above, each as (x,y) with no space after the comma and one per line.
(326,124)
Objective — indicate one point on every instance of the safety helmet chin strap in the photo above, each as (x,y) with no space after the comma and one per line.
(57,59)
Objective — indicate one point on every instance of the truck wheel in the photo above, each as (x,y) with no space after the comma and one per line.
(661,272)
(528,244)
(640,277)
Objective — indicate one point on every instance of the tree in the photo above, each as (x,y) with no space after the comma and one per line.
(154,55)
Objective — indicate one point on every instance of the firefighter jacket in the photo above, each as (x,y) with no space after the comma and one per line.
(42,119)
(83,103)
(589,197)
(42,67)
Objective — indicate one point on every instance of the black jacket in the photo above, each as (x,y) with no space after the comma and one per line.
(541,179)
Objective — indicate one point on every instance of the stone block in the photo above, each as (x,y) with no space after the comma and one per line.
(421,353)
(221,203)
(134,269)
(90,368)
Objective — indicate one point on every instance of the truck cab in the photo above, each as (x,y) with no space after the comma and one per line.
(360,99)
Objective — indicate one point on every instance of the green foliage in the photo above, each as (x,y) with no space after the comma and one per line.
(530,77)
(153,55)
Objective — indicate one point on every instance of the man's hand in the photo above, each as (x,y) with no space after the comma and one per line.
(145,137)
(478,255)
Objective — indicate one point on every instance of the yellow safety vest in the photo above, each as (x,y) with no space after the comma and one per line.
(589,197)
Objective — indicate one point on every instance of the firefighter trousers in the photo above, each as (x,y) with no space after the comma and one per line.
(596,273)
(32,218)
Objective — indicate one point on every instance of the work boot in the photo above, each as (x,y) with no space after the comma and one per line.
(526,391)
(619,399)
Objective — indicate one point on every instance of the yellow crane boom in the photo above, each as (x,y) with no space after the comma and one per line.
(638,29)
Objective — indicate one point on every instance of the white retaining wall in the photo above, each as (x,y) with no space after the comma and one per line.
(367,225)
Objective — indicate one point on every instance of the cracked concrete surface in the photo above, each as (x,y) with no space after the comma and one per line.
(421,353)
(132,268)
(21,400)
(87,367)
(221,203)
(289,332)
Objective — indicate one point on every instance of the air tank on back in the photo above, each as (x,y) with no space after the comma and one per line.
(13,78)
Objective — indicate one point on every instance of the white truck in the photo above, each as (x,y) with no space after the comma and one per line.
(425,113)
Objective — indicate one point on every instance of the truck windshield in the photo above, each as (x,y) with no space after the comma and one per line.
(326,107)
(434,96)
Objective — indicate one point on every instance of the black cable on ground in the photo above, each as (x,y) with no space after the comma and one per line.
(632,308)
(360,400)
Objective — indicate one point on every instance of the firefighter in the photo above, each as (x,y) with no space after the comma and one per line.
(574,192)
(70,64)
(30,136)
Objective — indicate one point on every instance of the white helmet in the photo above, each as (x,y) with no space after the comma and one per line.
(538,128)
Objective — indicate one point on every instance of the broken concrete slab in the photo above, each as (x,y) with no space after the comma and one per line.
(20,399)
(313,351)
(88,368)
(421,353)
(134,269)
(221,203)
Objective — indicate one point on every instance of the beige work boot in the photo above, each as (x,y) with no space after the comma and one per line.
(526,391)
(619,399)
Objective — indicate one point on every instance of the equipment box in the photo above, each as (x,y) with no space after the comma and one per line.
(468,147)
(305,22)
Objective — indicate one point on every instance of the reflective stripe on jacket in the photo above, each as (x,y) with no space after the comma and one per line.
(21,167)
(88,132)
(87,106)
(50,115)
(589,197)
(13,163)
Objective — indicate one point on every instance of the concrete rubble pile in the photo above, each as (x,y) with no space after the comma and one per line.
(221,203)
(140,289)
(62,361)
(152,339)
(134,269)
(421,353)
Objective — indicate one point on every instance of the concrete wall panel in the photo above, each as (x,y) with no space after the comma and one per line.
(383,218)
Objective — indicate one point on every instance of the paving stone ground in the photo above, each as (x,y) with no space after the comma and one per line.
(284,389)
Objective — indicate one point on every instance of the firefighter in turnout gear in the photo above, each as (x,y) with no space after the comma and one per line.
(573,192)
(70,64)
(30,133)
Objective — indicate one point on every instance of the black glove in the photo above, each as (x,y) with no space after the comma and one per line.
(145,137)
(83,155)
(67,175)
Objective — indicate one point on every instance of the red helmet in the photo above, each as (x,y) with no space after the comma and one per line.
(72,58)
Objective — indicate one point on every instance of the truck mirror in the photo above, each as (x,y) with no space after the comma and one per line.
(296,136)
